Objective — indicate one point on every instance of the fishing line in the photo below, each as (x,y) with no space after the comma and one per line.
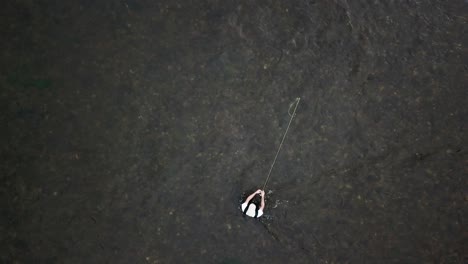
(298,99)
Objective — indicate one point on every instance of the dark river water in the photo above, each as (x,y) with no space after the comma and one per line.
(132,129)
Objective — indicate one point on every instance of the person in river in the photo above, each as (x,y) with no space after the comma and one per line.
(250,208)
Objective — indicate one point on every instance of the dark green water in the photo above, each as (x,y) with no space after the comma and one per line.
(131,129)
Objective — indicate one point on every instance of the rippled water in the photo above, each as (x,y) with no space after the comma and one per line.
(134,128)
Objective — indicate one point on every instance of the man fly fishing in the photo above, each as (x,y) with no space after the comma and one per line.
(249,207)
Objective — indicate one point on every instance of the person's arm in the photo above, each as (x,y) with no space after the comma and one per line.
(262,194)
(252,196)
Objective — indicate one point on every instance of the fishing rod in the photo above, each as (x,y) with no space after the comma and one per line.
(298,99)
